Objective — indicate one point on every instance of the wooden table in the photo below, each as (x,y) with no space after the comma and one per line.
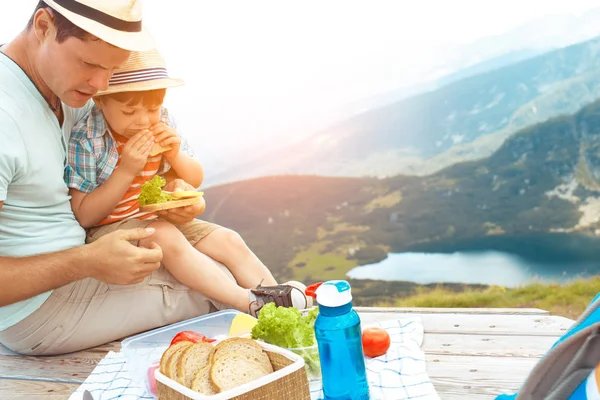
(472,354)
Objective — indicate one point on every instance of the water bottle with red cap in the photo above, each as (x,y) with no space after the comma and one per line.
(338,334)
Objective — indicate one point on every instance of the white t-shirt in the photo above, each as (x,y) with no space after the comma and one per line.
(36,216)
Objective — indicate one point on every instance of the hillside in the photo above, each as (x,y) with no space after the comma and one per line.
(544,179)
(465,120)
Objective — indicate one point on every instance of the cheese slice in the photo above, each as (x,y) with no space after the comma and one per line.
(185,194)
(242,324)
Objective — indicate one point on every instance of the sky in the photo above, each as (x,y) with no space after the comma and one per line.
(266,72)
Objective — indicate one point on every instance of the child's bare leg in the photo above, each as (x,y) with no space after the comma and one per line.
(194,269)
(229,248)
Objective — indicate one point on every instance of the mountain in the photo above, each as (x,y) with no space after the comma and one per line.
(543,179)
(462,121)
(541,35)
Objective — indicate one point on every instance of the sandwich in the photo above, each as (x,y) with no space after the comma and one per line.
(153,198)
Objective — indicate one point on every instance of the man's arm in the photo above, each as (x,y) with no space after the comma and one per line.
(111,259)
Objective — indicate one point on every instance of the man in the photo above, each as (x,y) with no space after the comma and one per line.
(58,295)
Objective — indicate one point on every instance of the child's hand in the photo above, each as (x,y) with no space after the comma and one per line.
(136,151)
(167,136)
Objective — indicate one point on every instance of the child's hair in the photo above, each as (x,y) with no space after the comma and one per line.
(149,98)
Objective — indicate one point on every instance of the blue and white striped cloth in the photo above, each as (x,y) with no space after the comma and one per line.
(400,374)
(111,380)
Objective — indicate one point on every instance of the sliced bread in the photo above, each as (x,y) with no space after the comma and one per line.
(169,352)
(232,370)
(157,148)
(201,382)
(171,366)
(192,359)
(233,345)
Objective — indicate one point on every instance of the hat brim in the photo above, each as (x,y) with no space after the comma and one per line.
(132,41)
(142,86)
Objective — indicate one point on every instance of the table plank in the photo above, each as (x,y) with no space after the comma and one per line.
(104,348)
(488,345)
(432,310)
(25,390)
(73,366)
(477,376)
(481,324)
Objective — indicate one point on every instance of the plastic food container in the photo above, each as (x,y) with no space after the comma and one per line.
(312,365)
(144,350)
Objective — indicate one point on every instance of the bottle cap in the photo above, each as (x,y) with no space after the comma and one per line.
(334,293)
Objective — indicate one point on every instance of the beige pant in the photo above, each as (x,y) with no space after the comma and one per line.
(89,313)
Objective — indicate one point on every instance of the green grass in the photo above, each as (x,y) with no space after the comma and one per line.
(311,264)
(387,201)
(338,228)
(568,300)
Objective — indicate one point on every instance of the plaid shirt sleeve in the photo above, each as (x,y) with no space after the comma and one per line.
(167,119)
(80,172)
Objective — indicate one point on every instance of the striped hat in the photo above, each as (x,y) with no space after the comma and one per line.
(142,71)
(118,22)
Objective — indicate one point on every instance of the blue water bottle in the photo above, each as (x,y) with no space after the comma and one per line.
(339,338)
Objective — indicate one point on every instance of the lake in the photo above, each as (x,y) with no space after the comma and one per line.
(491,260)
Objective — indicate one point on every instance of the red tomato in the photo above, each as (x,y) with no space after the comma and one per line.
(190,336)
(375,341)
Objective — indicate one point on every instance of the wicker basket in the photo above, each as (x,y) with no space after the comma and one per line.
(288,381)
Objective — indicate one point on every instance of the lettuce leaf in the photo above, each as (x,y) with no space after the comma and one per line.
(152,192)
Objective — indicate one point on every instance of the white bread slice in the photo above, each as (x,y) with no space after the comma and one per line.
(233,345)
(201,382)
(158,149)
(168,353)
(234,369)
(192,359)
(167,205)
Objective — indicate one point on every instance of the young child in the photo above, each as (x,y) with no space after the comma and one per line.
(109,158)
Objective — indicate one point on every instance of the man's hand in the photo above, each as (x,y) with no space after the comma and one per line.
(167,137)
(182,215)
(136,152)
(116,261)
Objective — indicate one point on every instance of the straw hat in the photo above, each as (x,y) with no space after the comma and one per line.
(142,71)
(118,22)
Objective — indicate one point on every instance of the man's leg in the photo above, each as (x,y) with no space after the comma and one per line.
(88,313)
